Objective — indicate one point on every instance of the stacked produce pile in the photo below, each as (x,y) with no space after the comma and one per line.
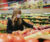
(11,38)
(18,38)
(31,33)
(27,35)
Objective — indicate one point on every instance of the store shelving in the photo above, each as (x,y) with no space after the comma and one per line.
(40,17)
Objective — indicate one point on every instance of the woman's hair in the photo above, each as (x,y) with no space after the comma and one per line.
(15,12)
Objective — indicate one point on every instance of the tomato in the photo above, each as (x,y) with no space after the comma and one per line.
(46,40)
(32,40)
(18,39)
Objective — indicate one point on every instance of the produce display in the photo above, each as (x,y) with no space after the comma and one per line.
(3,23)
(32,4)
(32,32)
(27,35)
(11,38)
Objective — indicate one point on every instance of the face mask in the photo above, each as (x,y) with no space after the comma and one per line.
(18,15)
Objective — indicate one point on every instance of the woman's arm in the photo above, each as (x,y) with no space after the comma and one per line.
(26,24)
(9,26)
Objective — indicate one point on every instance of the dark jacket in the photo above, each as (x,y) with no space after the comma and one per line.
(11,28)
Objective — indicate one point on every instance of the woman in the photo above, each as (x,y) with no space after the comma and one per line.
(16,23)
